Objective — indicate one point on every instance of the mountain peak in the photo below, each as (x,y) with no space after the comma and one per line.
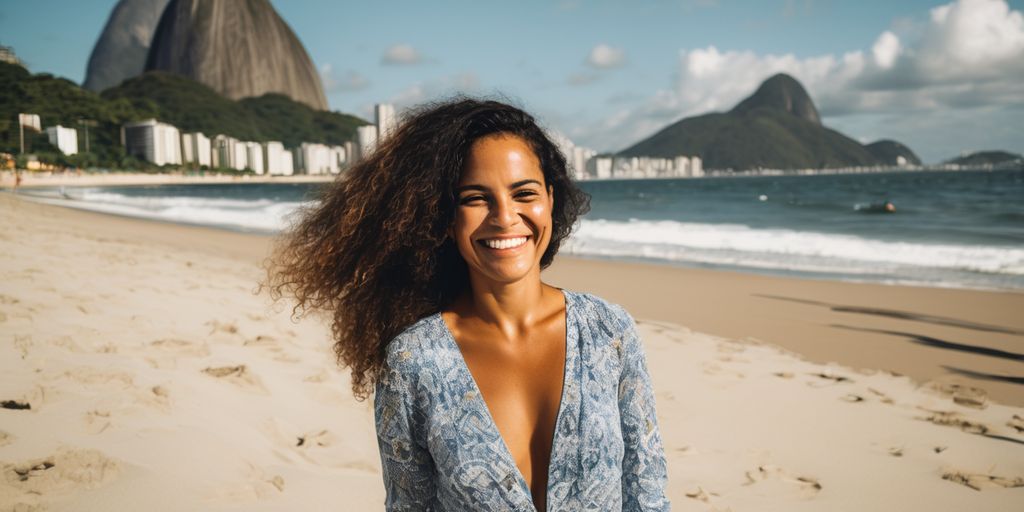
(781,92)
(240,49)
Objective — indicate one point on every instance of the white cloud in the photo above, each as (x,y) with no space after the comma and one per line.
(401,55)
(348,81)
(604,56)
(886,49)
(969,54)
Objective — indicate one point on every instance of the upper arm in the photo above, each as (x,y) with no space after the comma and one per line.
(406,463)
(644,469)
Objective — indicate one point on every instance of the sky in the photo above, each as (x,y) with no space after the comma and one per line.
(944,78)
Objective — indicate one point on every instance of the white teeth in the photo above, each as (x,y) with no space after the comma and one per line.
(505,243)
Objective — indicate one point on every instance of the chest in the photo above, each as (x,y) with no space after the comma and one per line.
(521,385)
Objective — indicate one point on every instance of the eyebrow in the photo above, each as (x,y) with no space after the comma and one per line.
(482,188)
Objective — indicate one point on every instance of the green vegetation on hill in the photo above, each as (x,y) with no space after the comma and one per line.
(983,158)
(173,99)
(760,138)
(777,127)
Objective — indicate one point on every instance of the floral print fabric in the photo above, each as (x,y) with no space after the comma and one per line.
(440,449)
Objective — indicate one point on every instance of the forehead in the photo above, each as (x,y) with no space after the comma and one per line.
(501,158)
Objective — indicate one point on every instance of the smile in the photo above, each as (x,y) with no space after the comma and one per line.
(504,243)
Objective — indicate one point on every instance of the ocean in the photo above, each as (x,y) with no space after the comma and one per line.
(950,229)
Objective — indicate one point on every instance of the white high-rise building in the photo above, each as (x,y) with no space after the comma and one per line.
(696,167)
(240,159)
(386,120)
(681,166)
(338,158)
(156,142)
(278,161)
(223,152)
(350,153)
(66,139)
(366,136)
(254,157)
(195,149)
(314,158)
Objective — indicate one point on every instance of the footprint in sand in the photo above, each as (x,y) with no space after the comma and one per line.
(97,421)
(826,379)
(180,348)
(93,377)
(66,470)
(321,447)
(807,486)
(238,375)
(272,345)
(5,438)
(1016,423)
(955,419)
(967,396)
(881,396)
(701,495)
(980,482)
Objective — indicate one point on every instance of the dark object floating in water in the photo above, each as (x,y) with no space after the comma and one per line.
(879,207)
(12,404)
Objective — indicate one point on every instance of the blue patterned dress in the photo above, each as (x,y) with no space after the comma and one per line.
(441,450)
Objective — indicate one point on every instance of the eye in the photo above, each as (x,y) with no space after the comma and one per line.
(525,194)
(472,199)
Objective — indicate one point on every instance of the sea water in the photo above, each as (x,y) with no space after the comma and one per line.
(953,229)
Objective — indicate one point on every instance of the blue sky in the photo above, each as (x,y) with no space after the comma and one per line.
(941,77)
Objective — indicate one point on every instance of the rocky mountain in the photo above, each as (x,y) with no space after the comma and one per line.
(238,48)
(121,50)
(983,158)
(781,92)
(777,127)
(888,152)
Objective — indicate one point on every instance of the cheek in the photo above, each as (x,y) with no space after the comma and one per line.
(540,213)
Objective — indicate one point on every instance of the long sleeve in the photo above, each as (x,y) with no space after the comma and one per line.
(644,469)
(408,468)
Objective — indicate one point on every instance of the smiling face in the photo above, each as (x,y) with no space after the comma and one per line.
(503,214)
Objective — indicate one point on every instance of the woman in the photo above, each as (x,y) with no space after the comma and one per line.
(493,390)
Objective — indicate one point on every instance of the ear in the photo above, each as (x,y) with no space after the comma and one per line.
(551,198)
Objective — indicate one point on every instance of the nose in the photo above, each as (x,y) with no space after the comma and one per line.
(504,213)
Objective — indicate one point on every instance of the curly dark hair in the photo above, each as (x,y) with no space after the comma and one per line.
(374,252)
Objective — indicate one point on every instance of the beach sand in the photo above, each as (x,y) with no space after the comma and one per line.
(138,370)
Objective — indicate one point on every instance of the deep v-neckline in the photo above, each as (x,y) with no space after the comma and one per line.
(482,404)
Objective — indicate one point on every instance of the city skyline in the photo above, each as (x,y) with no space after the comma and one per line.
(940,77)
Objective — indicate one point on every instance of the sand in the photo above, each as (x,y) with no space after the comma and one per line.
(138,370)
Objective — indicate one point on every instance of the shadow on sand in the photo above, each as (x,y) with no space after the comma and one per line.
(902,315)
(937,343)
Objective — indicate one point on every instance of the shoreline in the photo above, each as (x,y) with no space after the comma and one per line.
(945,335)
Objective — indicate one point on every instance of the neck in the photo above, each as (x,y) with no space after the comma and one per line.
(513,307)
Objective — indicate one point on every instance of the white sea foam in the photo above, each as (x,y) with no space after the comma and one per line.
(264,215)
(740,245)
(729,245)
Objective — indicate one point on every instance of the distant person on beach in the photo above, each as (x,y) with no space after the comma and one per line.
(17,180)
(492,389)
